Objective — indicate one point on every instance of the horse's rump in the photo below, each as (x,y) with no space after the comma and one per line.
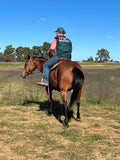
(63,77)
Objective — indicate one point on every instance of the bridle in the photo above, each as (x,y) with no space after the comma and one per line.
(34,66)
(30,63)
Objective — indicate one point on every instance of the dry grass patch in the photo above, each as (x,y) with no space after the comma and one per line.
(27,132)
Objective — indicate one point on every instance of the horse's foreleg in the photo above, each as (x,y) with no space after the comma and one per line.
(49,92)
(50,111)
(64,98)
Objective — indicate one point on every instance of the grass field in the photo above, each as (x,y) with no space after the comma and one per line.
(28,133)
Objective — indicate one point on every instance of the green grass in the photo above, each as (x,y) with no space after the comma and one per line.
(11,63)
(102,86)
(27,132)
(100,64)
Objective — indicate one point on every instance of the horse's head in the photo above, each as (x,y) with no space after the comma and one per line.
(28,68)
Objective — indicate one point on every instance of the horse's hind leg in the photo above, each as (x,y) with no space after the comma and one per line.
(78,111)
(78,106)
(64,98)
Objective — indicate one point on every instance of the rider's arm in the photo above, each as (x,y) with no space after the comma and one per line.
(53,45)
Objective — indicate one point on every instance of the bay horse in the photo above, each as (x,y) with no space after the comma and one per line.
(68,75)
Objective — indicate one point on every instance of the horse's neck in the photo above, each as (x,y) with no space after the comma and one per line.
(39,63)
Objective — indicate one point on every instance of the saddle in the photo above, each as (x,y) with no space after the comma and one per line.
(60,60)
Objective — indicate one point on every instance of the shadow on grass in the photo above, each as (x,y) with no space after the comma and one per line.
(58,109)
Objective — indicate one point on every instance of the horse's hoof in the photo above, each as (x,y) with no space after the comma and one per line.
(49,113)
(78,119)
(65,125)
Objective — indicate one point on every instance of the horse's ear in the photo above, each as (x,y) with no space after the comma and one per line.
(28,57)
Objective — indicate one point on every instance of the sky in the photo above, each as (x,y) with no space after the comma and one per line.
(90,24)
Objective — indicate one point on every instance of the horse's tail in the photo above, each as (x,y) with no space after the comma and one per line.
(78,80)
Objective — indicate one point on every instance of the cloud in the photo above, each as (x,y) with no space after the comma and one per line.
(43,19)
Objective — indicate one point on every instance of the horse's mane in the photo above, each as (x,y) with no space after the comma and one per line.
(39,57)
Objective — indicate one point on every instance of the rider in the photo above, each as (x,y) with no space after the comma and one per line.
(62,47)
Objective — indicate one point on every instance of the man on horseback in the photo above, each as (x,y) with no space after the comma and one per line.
(62,47)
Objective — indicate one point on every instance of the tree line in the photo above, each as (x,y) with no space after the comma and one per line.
(19,54)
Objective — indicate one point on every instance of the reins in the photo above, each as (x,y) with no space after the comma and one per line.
(35,66)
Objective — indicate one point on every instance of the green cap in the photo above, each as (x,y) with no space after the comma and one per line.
(60,30)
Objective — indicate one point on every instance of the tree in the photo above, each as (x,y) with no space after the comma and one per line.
(9,53)
(103,55)
(19,54)
(2,57)
(9,58)
(37,50)
(45,48)
(27,51)
(90,59)
(96,59)
(9,50)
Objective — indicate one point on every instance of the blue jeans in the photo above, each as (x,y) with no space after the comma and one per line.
(46,66)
